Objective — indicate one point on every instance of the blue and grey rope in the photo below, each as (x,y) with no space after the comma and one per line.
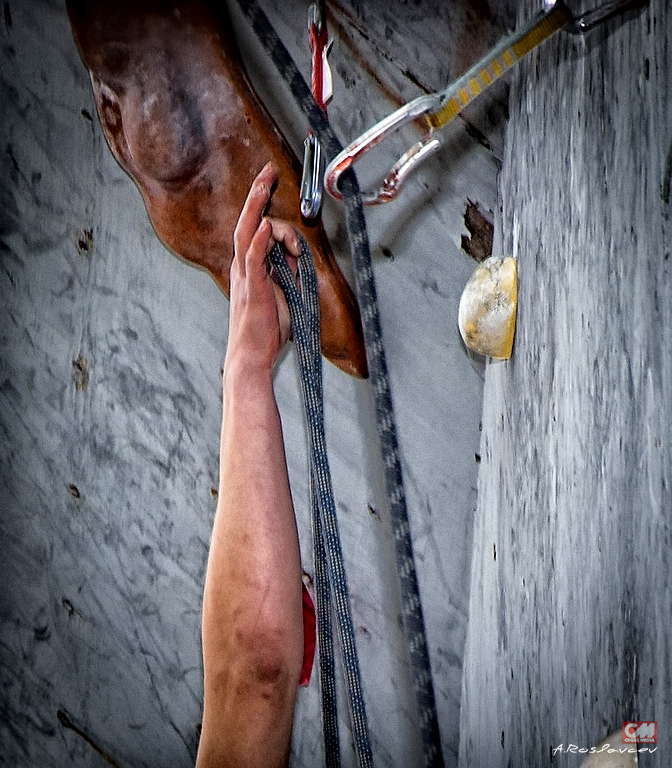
(412,615)
(414,625)
(325,643)
(304,312)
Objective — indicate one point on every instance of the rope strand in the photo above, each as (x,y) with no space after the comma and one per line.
(412,615)
(304,312)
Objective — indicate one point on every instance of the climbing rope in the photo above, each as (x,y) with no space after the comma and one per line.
(304,312)
(325,643)
(366,294)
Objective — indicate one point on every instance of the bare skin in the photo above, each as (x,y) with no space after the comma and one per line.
(252,606)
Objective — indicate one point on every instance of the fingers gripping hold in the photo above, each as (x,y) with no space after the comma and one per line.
(256,264)
(259,316)
(253,209)
(284,232)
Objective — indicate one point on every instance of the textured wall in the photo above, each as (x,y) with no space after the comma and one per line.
(110,357)
(571,604)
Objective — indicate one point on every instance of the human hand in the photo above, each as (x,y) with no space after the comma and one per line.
(259,322)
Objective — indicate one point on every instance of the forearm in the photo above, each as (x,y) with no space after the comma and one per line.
(252,609)
(255,551)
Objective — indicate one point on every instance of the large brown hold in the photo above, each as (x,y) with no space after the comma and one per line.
(182,119)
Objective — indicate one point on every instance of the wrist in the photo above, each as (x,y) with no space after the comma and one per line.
(246,376)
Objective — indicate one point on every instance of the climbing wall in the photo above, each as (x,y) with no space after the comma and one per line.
(571,603)
(110,402)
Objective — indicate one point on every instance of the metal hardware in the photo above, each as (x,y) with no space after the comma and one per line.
(390,187)
(321,82)
(588,20)
(311,180)
(439,109)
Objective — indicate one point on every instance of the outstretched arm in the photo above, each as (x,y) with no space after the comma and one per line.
(252,605)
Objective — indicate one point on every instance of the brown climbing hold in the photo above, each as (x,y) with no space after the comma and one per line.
(181,118)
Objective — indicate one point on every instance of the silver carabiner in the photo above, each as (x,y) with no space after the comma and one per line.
(311,181)
(391,185)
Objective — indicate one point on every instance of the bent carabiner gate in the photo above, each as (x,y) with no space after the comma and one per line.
(438,109)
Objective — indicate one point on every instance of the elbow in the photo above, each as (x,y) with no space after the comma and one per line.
(273,658)
(269,672)
(263,664)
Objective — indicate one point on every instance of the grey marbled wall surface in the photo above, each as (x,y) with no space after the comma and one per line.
(570,619)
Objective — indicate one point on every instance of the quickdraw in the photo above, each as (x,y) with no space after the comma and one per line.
(321,86)
(439,109)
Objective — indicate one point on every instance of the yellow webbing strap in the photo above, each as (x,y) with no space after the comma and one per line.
(498,61)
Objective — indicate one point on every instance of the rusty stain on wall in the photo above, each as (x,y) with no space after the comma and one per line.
(67,723)
(481,230)
(80,373)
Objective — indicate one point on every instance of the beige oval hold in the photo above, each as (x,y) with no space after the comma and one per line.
(487,312)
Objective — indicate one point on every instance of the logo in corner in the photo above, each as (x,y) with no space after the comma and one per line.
(640,732)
